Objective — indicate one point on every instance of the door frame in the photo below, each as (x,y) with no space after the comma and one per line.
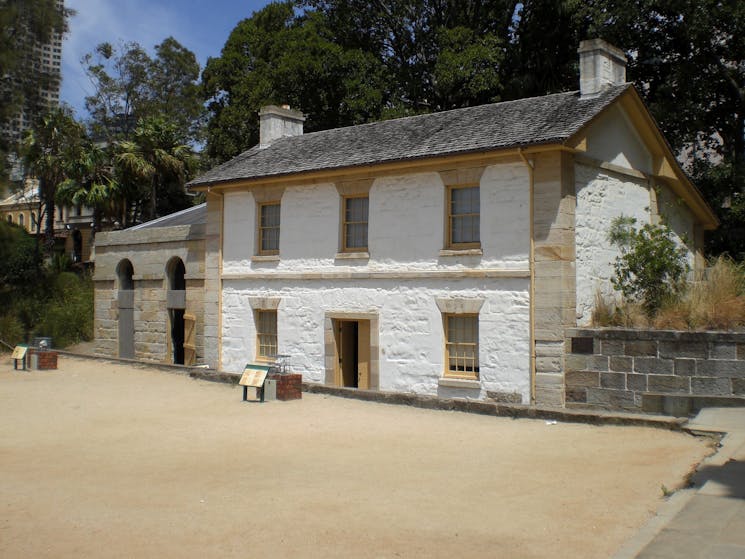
(331,346)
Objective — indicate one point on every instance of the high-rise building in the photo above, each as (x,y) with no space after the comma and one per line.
(43,61)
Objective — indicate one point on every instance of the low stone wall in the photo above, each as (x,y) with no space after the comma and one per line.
(644,370)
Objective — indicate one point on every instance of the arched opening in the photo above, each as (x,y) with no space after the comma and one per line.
(176,304)
(20,220)
(125,298)
(77,246)
(33,222)
(10,218)
(125,271)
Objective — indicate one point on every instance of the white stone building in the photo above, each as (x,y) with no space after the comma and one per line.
(439,254)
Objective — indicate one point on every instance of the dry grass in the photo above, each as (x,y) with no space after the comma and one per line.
(715,302)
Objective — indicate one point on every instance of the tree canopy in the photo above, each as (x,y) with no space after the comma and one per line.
(344,62)
(130,85)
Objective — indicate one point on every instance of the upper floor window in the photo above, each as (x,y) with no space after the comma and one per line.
(269,228)
(464,208)
(354,228)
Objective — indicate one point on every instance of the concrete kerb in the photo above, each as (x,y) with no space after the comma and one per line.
(515,411)
(167,367)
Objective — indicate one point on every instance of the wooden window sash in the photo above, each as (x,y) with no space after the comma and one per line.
(264,229)
(346,223)
(451,244)
(266,335)
(461,355)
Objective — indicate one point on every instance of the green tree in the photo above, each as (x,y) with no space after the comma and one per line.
(130,85)
(157,156)
(687,58)
(278,57)
(24,23)
(47,150)
(651,267)
(92,182)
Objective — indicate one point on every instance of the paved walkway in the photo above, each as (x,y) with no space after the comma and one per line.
(708,520)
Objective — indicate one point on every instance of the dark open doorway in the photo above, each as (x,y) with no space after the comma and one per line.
(353,353)
(176,306)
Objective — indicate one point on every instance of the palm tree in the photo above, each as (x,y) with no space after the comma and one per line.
(46,149)
(92,183)
(155,154)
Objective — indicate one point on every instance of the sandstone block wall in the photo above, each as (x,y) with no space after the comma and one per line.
(633,369)
(149,251)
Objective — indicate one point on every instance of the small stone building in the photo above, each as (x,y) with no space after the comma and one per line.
(149,290)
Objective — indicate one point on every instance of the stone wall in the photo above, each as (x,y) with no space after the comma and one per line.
(642,370)
(149,250)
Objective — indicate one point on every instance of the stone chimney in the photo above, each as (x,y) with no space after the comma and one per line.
(601,65)
(278,122)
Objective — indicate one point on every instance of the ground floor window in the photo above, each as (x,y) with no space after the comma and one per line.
(462,346)
(266,334)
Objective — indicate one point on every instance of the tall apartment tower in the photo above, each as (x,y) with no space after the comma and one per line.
(46,57)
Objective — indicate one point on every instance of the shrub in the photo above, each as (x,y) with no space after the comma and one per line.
(68,316)
(651,267)
(11,331)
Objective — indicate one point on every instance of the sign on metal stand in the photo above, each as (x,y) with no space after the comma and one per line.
(254,377)
(19,354)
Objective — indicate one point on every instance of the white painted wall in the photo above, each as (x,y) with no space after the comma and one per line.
(679,218)
(406,228)
(613,139)
(406,234)
(411,354)
(601,197)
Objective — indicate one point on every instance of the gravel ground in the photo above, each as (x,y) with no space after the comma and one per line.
(101,459)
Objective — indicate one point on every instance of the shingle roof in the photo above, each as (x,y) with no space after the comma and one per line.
(195,215)
(536,120)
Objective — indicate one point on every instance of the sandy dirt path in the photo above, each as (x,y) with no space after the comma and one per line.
(107,460)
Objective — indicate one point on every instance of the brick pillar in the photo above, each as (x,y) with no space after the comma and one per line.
(555,289)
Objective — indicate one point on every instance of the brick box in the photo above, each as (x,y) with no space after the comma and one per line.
(289,387)
(46,360)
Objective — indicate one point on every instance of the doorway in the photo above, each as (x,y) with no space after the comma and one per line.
(352,339)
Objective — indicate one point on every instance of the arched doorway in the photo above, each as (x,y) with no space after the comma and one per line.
(126,299)
(176,305)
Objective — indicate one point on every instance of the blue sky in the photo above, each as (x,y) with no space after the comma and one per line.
(202,26)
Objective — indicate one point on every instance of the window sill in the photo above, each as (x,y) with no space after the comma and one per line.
(459,383)
(265,258)
(461,252)
(352,256)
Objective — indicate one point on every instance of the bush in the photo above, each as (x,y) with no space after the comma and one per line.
(68,315)
(651,268)
(11,331)
(716,302)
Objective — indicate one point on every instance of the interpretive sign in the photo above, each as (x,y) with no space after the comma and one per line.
(19,352)
(253,377)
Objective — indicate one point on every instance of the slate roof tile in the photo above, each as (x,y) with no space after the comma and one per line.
(523,122)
